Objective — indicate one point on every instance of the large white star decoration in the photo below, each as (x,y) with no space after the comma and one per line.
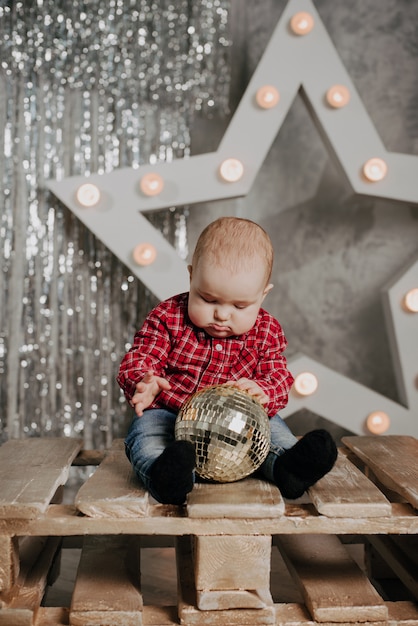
(299,56)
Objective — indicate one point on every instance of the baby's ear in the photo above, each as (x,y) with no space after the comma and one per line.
(267,289)
(190,269)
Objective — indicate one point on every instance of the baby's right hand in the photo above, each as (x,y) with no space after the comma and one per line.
(147,390)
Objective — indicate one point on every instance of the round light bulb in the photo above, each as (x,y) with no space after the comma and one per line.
(267,97)
(306,384)
(338,96)
(144,254)
(377,422)
(410,301)
(151,184)
(88,194)
(375,170)
(231,170)
(302,23)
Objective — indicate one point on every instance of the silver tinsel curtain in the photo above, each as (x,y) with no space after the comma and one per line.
(87,86)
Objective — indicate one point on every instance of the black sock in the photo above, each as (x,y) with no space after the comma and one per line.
(172,473)
(305,463)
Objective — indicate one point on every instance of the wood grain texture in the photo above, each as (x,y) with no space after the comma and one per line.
(232,572)
(239,562)
(9,562)
(303,518)
(188,612)
(248,498)
(346,492)
(31,470)
(334,588)
(113,490)
(393,460)
(107,588)
(21,602)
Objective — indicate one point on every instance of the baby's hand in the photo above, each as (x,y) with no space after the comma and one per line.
(251,387)
(147,390)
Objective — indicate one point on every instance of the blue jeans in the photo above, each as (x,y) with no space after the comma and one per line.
(151,433)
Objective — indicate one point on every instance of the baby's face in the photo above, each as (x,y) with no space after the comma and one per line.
(225,304)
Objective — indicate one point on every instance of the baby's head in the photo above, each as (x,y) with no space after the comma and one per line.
(235,244)
(229,276)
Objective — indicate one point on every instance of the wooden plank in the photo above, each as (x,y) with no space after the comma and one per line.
(16,617)
(9,562)
(401,554)
(188,612)
(334,588)
(248,498)
(393,460)
(107,588)
(346,492)
(400,614)
(37,555)
(113,490)
(31,470)
(160,616)
(170,520)
(89,457)
(52,616)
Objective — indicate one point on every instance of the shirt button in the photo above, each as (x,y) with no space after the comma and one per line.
(218,347)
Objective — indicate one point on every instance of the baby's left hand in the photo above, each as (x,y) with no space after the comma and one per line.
(251,387)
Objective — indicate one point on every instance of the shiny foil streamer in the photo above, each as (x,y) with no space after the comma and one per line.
(87,86)
(230,431)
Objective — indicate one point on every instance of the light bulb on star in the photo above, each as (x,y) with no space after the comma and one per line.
(144,254)
(302,23)
(88,195)
(410,301)
(306,383)
(151,184)
(267,97)
(378,422)
(375,169)
(338,96)
(231,170)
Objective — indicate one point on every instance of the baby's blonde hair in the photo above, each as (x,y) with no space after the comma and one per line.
(235,243)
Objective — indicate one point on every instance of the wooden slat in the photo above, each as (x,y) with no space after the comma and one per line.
(9,562)
(16,617)
(393,460)
(107,588)
(170,520)
(248,498)
(113,490)
(346,492)
(31,470)
(401,554)
(52,616)
(400,614)
(334,588)
(37,557)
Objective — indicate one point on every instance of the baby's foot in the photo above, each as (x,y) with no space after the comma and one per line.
(305,463)
(172,473)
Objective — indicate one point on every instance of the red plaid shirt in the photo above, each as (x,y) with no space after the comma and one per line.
(189,359)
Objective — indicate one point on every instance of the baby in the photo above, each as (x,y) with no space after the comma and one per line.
(217,333)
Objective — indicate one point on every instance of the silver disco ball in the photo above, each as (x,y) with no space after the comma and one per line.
(230,431)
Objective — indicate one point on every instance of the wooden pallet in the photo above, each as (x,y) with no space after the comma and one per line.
(223,540)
